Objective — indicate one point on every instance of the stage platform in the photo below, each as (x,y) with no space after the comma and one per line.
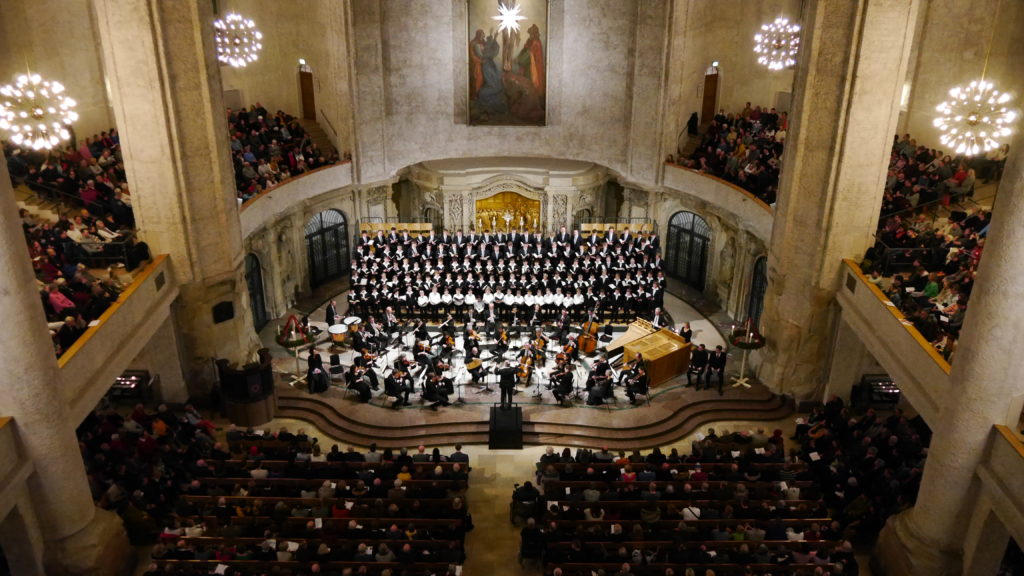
(672,412)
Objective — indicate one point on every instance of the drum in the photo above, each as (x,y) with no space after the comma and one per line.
(337,333)
(354,323)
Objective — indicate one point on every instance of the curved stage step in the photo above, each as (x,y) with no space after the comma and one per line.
(675,412)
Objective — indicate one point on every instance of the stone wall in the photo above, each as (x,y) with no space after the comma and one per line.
(605,61)
(313,30)
(57,39)
(950,47)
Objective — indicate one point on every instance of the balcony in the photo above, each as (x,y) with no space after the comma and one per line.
(89,367)
(918,369)
(747,208)
(274,203)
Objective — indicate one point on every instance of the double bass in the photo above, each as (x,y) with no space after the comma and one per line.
(587,341)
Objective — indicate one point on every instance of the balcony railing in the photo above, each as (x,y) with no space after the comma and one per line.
(267,206)
(742,204)
(916,366)
(89,366)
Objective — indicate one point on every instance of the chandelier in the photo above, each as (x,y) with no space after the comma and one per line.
(238,40)
(777,44)
(35,112)
(975,118)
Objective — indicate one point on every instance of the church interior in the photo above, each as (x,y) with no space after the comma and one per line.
(559,287)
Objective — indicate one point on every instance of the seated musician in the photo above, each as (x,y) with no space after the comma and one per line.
(637,363)
(636,384)
(474,365)
(698,365)
(563,324)
(600,380)
(376,334)
(365,362)
(561,381)
(358,381)
(434,391)
(395,386)
(361,341)
(501,345)
(424,354)
(540,344)
(421,332)
(391,324)
(527,357)
(471,339)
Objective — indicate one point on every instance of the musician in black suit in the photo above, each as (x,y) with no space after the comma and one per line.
(716,366)
(637,384)
(507,383)
(698,365)
(394,386)
(331,317)
(357,380)
(435,392)
(561,382)
(658,321)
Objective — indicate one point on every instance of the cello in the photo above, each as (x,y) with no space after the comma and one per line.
(587,340)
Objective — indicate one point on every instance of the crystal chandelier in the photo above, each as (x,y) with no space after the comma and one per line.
(238,40)
(975,118)
(777,44)
(35,112)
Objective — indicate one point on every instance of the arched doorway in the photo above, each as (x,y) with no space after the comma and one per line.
(254,280)
(758,286)
(327,246)
(686,255)
(433,215)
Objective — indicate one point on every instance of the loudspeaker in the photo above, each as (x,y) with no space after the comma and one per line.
(223,311)
(506,428)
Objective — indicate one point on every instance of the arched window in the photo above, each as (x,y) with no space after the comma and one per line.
(686,249)
(254,280)
(327,246)
(758,286)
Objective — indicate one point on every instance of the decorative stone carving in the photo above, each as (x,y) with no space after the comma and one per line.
(637,197)
(725,268)
(455,209)
(377,195)
(560,208)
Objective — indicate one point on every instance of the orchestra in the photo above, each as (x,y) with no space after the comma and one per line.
(541,297)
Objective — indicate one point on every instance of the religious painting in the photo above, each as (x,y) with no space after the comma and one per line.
(508,62)
(507,211)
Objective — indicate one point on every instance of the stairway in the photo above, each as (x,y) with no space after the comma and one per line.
(40,209)
(360,424)
(317,135)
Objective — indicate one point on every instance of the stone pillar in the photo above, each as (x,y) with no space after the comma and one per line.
(851,70)
(986,372)
(167,97)
(79,537)
(849,355)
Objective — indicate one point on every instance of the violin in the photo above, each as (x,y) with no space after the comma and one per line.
(449,341)
(367,356)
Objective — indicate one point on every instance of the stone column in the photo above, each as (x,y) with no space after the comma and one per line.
(849,355)
(79,537)
(852,66)
(167,97)
(986,372)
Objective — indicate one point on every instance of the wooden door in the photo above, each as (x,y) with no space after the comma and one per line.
(308,101)
(707,109)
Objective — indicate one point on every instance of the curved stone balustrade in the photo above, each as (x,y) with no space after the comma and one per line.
(749,210)
(270,205)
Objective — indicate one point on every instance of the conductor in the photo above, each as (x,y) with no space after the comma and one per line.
(507,383)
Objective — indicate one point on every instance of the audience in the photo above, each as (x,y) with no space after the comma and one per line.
(267,150)
(929,243)
(744,149)
(197,498)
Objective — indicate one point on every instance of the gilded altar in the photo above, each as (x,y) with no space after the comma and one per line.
(507,211)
